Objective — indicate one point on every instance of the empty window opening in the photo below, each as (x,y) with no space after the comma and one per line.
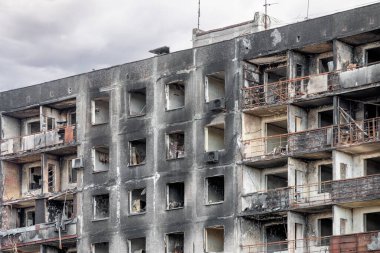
(214,239)
(101,206)
(72,173)
(325,118)
(371,222)
(30,218)
(137,152)
(215,189)
(137,245)
(276,74)
(60,210)
(102,247)
(35,178)
(215,86)
(137,201)
(371,111)
(137,102)
(50,123)
(174,243)
(277,143)
(298,124)
(175,95)
(51,178)
(373,55)
(372,166)
(325,227)
(101,158)
(278,180)
(34,127)
(343,170)
(274,234)
(175,195)
(72,118)
(326,65)
(325,178)
(214,137)
(100,111)
(175,145)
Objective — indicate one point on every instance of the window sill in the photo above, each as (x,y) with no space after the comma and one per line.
(174,109)
(174,159)
(173,209)
(102,219)
(136,165)
(99,171)
(136,116)
(216,203)
(99,124)
(137,214)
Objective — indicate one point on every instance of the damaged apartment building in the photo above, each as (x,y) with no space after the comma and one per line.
(252,141)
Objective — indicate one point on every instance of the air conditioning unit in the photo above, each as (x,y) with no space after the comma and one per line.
(212,157)
(217,104)
(77,163)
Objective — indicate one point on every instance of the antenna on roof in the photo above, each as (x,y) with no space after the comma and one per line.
(308,6)
(266,5)
(199,12)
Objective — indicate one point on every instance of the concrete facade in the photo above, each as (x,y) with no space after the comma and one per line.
(267,142)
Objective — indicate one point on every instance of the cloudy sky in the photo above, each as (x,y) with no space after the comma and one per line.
(42,40)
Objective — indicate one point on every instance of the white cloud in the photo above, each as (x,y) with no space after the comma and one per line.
(42,40)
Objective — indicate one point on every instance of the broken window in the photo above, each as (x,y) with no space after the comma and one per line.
(137,198)
(276,74)
(100,157)
(72,118)
(278,180)
(214,239)
(325,118)
(325,227)
(137,245)
(101,247)
(371,111)
(277,143)
(100,111)
(214,136)
(175,95)
(35,178)
(372,166)
(51,177)
(175,145)
(215,86)
(137,152)
(325,178)
(276,236)
(175,195)
(326,65)
(371,222)
(174,243)
(50,123)
(34,127)
(373,55)
(215,189)
(101,206)
(71,172)
(137,102)
(343,225)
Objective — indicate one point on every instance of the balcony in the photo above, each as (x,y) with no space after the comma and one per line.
(358,137)
(59,137)
(283,91)
(360,242)
(50,233)
(352,192)
(308,144)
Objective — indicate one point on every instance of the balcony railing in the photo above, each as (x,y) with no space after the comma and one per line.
(298,197)
(60,136)
(359,132)
(281,145)
(282,91)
